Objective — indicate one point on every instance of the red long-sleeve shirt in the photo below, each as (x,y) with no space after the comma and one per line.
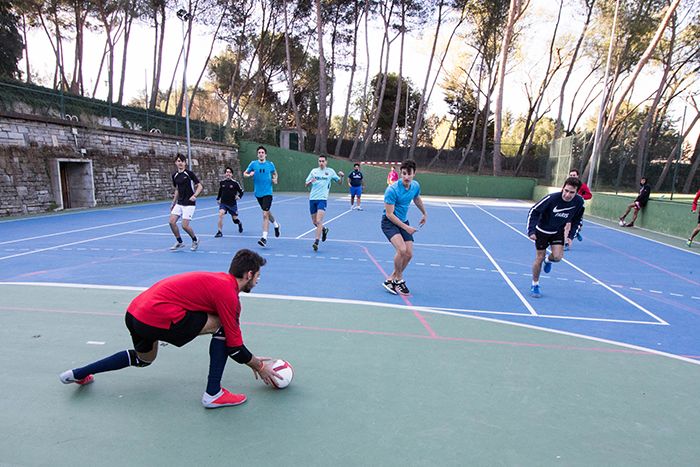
(695,201)
(585,192)
(166,301)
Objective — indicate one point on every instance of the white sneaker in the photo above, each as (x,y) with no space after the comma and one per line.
(359,208)
(67,377)
(195,245)
(177,246)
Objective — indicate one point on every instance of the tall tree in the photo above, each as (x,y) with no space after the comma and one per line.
(12,44)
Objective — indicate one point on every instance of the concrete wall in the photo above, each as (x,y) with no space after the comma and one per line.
(659,215)
(127,166)
(294,166)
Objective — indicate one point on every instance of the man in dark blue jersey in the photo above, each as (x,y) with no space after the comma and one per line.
(546,223)
(230,191)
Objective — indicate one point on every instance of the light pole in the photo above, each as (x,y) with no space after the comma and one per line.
(185,16)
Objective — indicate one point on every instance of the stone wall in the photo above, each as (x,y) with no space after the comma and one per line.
(128,166)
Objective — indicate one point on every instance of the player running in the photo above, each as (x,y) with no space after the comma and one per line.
(320,180)
(264,176)
(230,191)
(546,222)
(187,188)
(696,230)
(586,194)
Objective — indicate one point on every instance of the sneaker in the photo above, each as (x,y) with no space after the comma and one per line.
(324,234)
(240,227)
(689,243)
(401,288)
(177,246)
(195,245)
(389,286)
(315,246)
(359,208)
(579,237)
(535,291)
(547,266)
(67,377)
(622,222)
(262,241)
(218,234)
(629,224)
(277,230)
(223,399)
(566,247)
(352,208)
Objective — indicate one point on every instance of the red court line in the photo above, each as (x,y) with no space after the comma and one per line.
(376,333)
(420,317)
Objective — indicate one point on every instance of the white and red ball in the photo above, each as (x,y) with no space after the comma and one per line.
(285,370)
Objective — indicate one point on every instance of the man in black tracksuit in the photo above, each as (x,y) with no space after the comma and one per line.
(546,223)
(638,203)
(230,191)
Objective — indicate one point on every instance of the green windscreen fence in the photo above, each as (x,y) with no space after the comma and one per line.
(560,154)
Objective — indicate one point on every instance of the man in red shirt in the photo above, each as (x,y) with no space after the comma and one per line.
(586,194)
(694,208)
(179,308)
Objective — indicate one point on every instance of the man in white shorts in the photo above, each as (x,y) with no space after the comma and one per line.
(187,188)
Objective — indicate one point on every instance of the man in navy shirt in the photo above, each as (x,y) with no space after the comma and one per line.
(187,188)
(230,191)
(355,182)
(546,223)
(638,204)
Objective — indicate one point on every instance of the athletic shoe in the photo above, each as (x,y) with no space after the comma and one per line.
(223,399)
(195,245)
(218,234)
(240,227)
(629,224)
(262,241)
(622,222)
(315,246)
(359,208)
(566,247)
(67,377)
(535,291)
(579,237)
(352,208)
(277,230)
(401,288)
(689,243)
(547,266)
(177,246)
(324,234)
(389,286)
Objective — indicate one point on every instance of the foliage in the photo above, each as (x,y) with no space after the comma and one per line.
(12,44)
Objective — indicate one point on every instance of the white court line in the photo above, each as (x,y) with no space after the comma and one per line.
(595,280)
(495,264)
(388,305)
(324,223)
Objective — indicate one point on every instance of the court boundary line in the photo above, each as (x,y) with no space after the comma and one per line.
(604,285)
(389,306)
(324,223)
(495,264)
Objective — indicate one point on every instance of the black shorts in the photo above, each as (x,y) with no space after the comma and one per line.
(543,240)
(265,202)
(179,334)
(390,229)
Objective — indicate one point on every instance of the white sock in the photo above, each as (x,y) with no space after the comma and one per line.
(265,235)
(277,224)
(535,282)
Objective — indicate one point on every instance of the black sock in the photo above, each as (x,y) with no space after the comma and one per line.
(236,221)
(179,239)
(217,363)
(114,362)
(194,239)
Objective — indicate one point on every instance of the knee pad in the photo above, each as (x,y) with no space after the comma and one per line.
(219,334)
(136,361)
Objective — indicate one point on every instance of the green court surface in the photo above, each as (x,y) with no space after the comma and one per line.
(372,387)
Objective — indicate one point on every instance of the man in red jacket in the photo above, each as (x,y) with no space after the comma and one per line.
(179,308)
(586,194)
(694,208)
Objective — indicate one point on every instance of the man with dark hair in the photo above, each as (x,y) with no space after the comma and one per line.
(320,180)
(356,183)
(230,191)
(187,188)
(179,308)
(264,176)
(397,199)
(546,222)
(638,204)
(575,231)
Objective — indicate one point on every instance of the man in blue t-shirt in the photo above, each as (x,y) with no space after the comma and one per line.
(546,223)
(264,175)
(397,199)
(320,180)
(355,182)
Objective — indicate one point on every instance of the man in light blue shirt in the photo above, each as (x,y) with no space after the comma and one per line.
(320,180)
(397,199)
(264,175)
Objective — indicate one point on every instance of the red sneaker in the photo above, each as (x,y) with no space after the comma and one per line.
(67,378)
(223,399)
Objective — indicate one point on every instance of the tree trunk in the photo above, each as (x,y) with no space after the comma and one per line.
(693,168)
(157,54)
(322,137)
(290,81)
(397,106)
(343,126)
(128,21)
(673,154)
(26,48)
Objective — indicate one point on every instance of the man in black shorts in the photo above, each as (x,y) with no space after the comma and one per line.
(638,204)
(179,308)
(187,188)
(546,223)
(230,191)
(264,176)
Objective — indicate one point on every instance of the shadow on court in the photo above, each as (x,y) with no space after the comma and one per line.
(373,385)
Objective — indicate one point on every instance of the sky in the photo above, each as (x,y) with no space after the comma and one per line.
(416,61)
